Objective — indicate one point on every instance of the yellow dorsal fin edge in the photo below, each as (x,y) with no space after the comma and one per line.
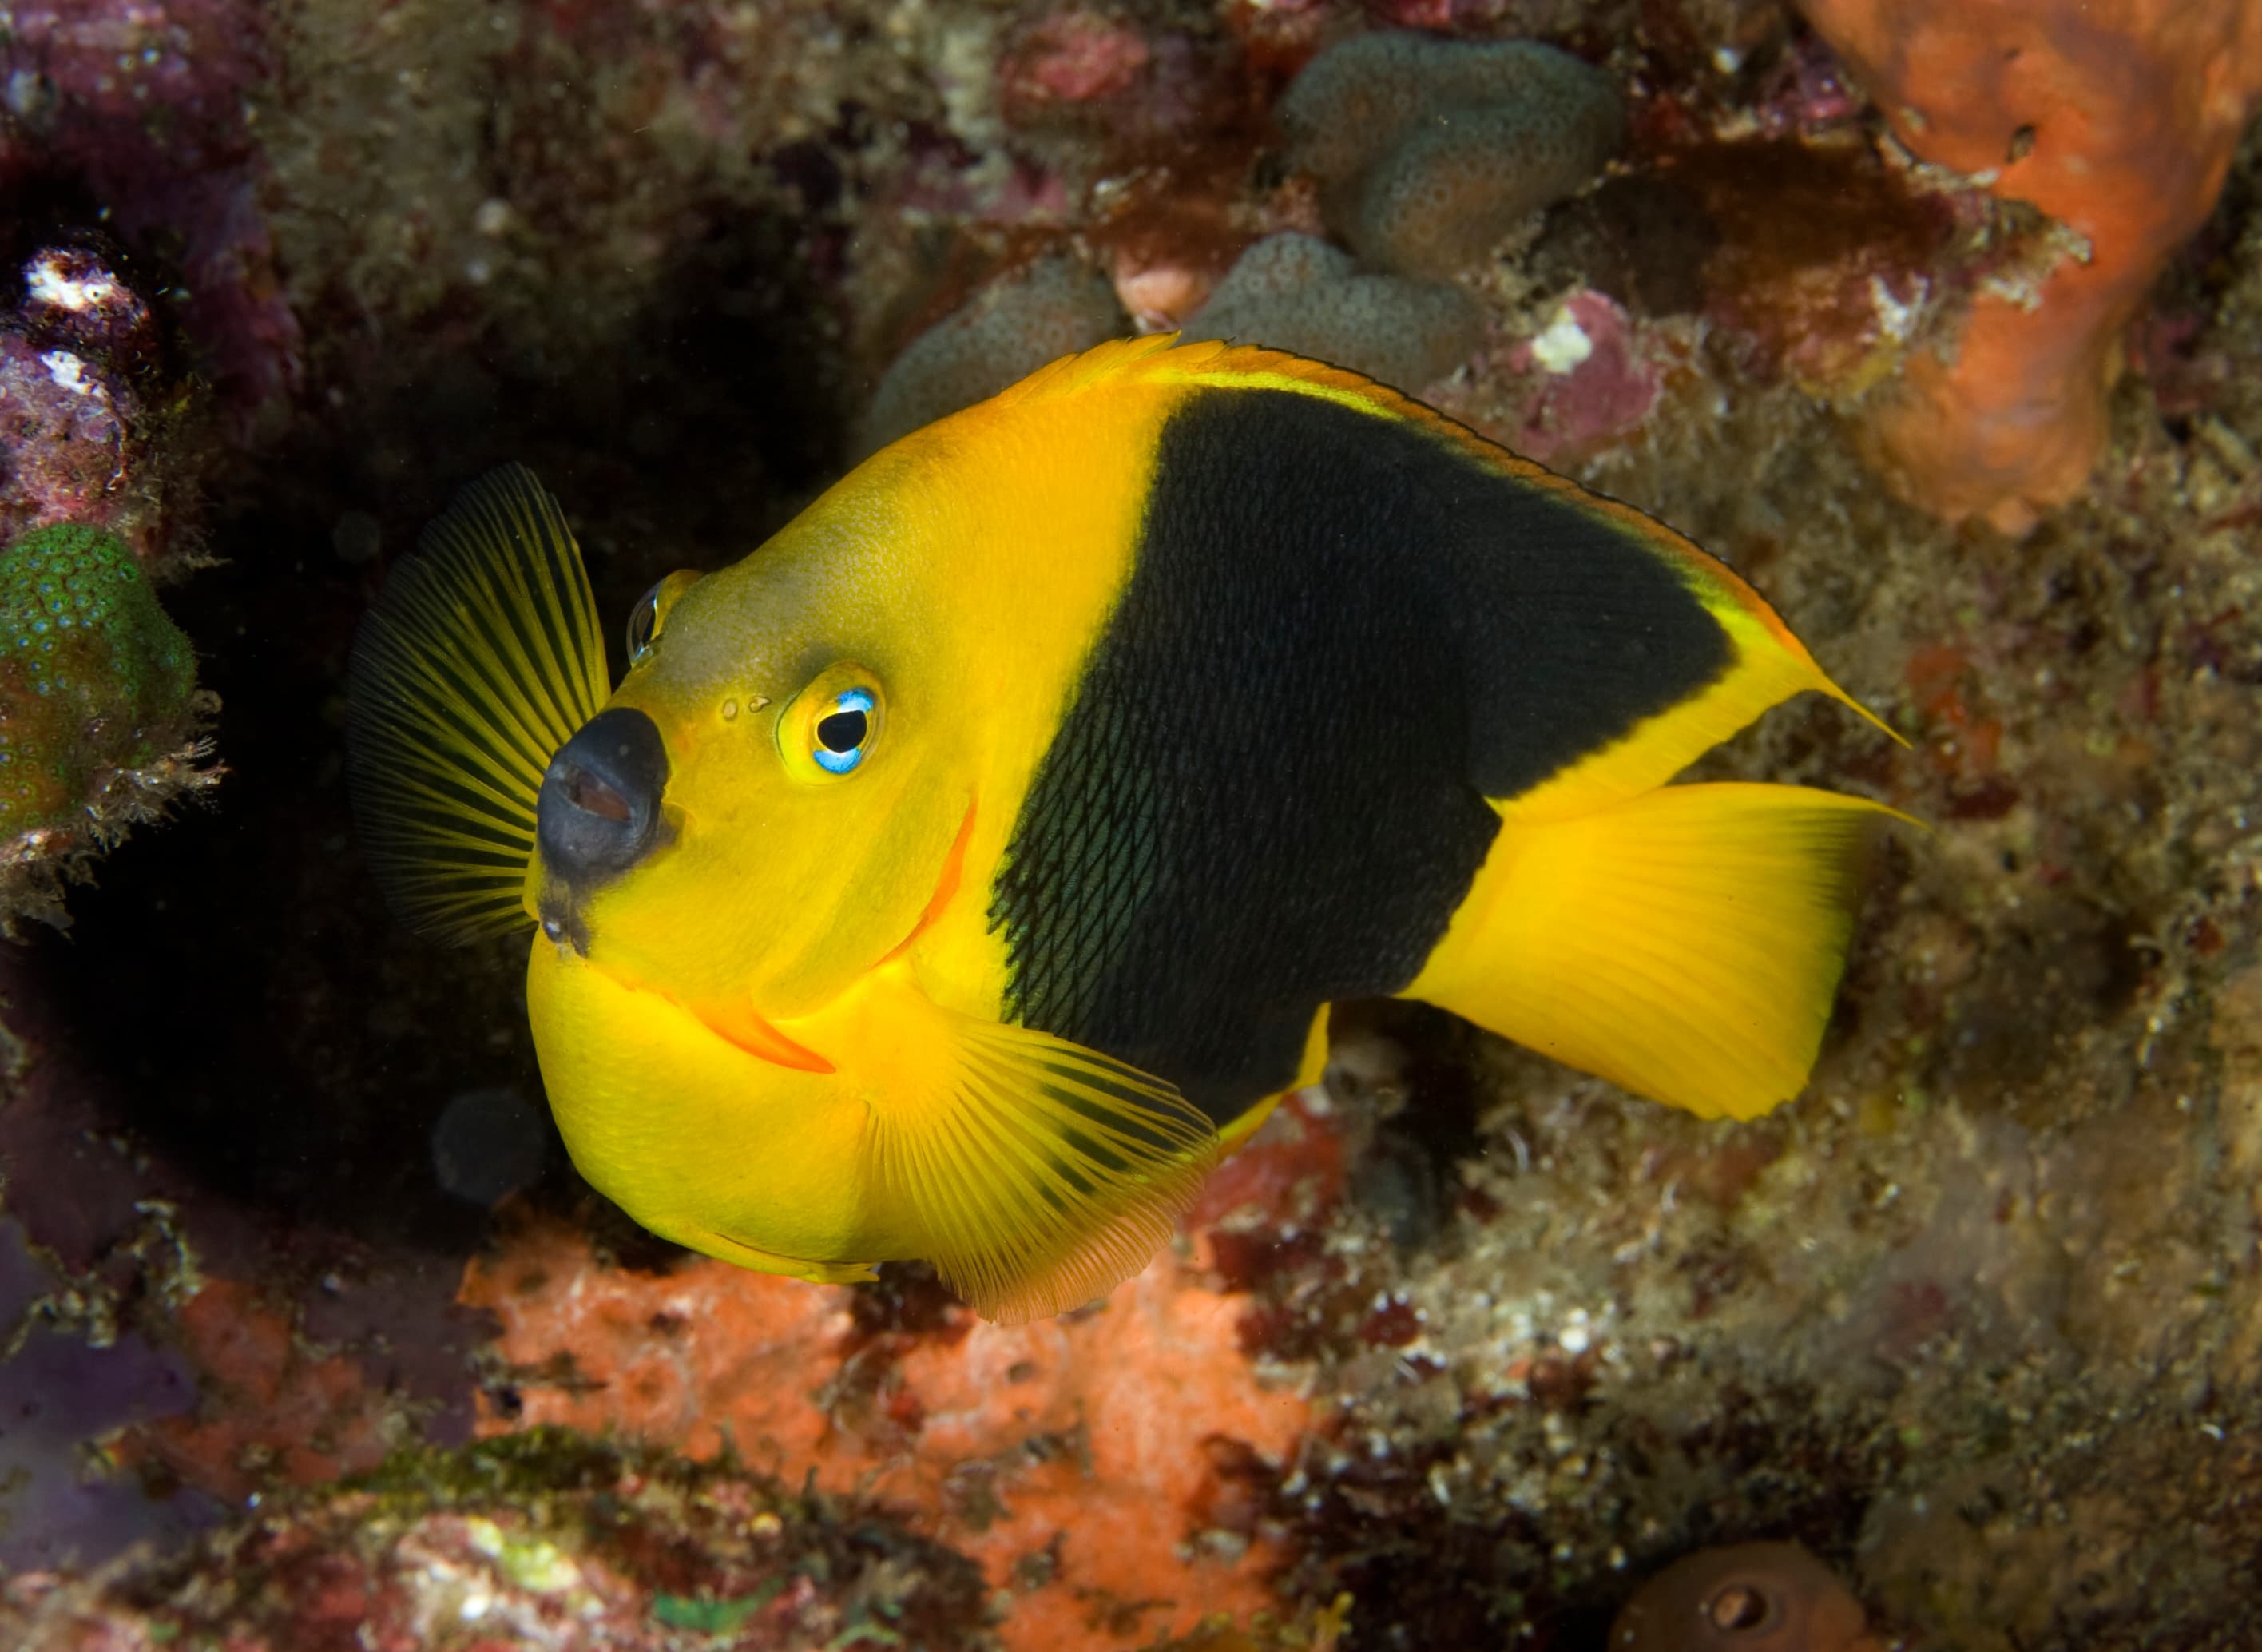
(1159,358)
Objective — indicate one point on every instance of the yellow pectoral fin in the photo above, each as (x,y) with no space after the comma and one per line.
(1685,945)
(1039,1173)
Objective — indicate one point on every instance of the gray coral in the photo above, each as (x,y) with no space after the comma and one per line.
(1298,294)
(1428,152)
(1005,332)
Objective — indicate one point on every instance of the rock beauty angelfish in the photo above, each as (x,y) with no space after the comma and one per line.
(961,873)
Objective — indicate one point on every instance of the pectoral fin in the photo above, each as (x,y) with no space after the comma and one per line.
(480,659)
(1041,1174)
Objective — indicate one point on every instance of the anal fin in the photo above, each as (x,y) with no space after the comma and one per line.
(1685,944)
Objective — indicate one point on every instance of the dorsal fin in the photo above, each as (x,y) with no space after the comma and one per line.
(1770,665)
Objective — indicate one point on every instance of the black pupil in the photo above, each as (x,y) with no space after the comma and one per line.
(842,732)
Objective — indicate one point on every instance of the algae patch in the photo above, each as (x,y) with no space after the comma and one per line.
(98,708)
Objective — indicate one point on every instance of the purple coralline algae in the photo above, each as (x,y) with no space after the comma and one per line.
(144,107)
(92,429)
(64,1388)
(1590,378)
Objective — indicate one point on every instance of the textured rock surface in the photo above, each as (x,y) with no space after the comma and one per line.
(550,1542)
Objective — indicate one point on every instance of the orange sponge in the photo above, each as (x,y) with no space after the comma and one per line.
(2117,118)
(1081,1461)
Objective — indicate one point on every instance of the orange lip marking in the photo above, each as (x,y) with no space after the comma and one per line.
(946,886)
(741,1024)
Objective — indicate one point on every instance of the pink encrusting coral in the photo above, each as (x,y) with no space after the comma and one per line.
(2116,118)
(1590,375)
(77,359)
(69,440)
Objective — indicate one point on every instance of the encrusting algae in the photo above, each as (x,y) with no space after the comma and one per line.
(97,701)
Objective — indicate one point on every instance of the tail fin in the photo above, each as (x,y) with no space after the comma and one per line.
(1685,944)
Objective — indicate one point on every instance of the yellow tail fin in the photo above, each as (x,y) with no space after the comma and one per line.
(1685,944)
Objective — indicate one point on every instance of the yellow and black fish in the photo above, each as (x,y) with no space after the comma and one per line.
(959,873)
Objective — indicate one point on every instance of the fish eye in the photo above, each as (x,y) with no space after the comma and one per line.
(650,612)
(827,730)
(842,732)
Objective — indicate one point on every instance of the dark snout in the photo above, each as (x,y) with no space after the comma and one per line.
(599,813)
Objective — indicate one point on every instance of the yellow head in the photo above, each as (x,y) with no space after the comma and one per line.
(762,810)
(806,779)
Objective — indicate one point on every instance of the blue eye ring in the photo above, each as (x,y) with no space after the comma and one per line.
(842,733)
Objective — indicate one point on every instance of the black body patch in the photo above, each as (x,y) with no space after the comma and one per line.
(1339,637)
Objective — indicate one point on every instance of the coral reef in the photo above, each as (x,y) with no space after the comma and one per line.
(99,449)
(540,1540)
(1296,292)
(98,713)
(1428,151)
(2117,120)
(95,433)
(1463,1348)
(92,675)
(1005,332)
(146,110)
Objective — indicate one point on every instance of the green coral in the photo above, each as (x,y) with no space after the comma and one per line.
(93,677)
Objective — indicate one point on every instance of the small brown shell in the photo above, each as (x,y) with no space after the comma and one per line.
(1753,1597)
